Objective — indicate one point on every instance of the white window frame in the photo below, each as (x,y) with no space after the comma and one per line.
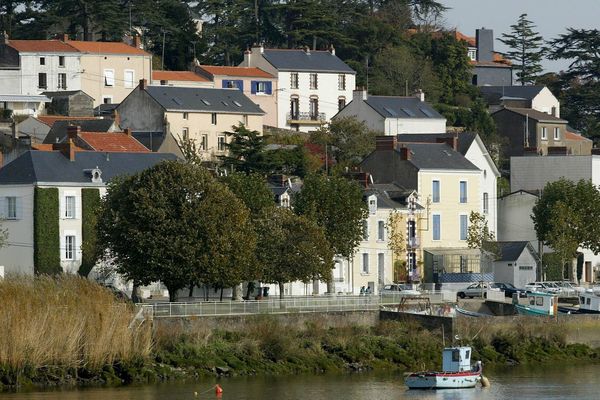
(70,249)
(341,81)
(544,133)
(462,217)
(109,79)
(463,199)
(556,133)
(70,210)
(380,231)
(221,143)
(185,133)
(204,142)
(365,228)
(107,97)
(63,61)
(433,226)
(11,207)
(365,263)
(294,80)
(126,83)
(186,115)
(313,81)
(486,203)
(214,119)
(261,87)
(64,80)
(439,194)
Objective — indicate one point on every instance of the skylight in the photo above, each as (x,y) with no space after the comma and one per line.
(225,103)
(206,102)
(426,112)
(177,101)
(390,111)
(236,103)
(408,112)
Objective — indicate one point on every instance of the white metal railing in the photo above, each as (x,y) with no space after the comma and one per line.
(307,304)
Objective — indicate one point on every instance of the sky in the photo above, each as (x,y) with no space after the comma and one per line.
(552,18)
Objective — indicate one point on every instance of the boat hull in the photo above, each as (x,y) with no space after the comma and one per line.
(524,310)
(440,380)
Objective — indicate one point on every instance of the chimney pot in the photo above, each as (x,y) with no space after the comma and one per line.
(405,153)
(5,37)
(73,131)
(143,84)
(65,37)
(450,141)
(128,132)
(420,95)
(137,41)
(360,94)
(117,118)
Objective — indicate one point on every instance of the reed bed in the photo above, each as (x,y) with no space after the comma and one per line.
(66,321)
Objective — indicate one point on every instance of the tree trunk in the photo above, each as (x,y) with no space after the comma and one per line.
(221,295)
(172,293)
(191,292)
(236,294)
(280,290)
(573,271)
(135,295)
(330,283)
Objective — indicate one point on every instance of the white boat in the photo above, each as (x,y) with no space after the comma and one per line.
(457,372)
(589,302)
(536,304)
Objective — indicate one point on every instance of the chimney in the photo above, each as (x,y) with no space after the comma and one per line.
(127,132)
(117,118)
(67,148)
(137,41)
(404,153)
(65,37)
(360,94)
(307,50)
(143,84)
(485,44)
(247,57)
(1,159)
(332,50)
(73,131)
(385,142)
(420,95)
(450,141)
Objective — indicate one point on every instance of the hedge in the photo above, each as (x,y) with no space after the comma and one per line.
(90,203)
(46,236)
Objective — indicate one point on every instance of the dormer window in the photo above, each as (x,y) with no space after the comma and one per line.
(372,204)
(472,53)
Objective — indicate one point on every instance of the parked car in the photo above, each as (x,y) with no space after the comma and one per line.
(508,288)
(544,287)
(397,288)
(569,288)
(476,290)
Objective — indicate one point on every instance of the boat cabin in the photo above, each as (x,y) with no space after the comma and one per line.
(456,359)
(536,303)
(589,301)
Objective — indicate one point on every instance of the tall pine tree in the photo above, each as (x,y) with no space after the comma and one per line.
(526,50)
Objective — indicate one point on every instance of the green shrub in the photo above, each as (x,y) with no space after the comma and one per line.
(90,204)
(46,236)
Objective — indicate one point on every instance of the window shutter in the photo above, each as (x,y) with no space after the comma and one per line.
(225,84)
(19,207)
(3,208)
(240,85)
(253,87)
(268,87)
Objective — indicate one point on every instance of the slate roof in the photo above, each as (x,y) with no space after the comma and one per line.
(389,195)
(510,251)
(534,114)
(54,167)
(437,156)
(300,60)
(65,93)
(58,131)
(402,107)
(174,98)
(105,109)
(514,92)
(177,76)
(150,140)
(465,139)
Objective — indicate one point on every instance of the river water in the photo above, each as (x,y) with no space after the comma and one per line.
(547,382)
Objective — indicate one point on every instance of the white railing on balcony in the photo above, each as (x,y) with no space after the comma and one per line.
(306,116)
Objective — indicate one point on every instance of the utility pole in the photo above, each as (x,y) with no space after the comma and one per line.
(130,27)
(162,61)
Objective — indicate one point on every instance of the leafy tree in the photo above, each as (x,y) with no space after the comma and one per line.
(175,223)
(565,218)
(452,67)
(3,236)
(292,248)
(581,46)
(252,190)
(479,236)
(397,242)
(526,49)
(336,205)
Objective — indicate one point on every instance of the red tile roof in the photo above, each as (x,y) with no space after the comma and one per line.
(41,45)
(575,137)
(51,119)
(236,71)
(471,41)
(177,76)
(106,48)
(113,142)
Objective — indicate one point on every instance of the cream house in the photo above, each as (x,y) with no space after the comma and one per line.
(449,188)
(111,70)
(200,114)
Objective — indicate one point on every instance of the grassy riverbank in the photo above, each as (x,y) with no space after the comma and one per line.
(69,331)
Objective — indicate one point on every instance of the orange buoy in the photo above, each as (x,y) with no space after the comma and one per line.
(218,390)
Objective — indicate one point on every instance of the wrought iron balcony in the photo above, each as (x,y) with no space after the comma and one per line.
(413,242)
(306,118)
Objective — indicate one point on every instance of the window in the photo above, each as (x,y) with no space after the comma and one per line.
(556,133)
(435,191)
(365,266)
(204,142)
(544,133)
(381,230)
(464,223)
(245,119)
(294,108)
(341,82)
(61,61)
(69,247)
(42,60)
(463,191)
(260,87)
(185,115)
(213,118)
(221,143)
(314,108)
(62,81)
(314,84)
(294,80)
(436,226)
(341,103)
(129,78)
(381,267)
(106,99)
(11,208)
(109,77)
(365,230)
(486,203)
(69,206)
(232,84)
(42,80)
(185,133)
(472,53)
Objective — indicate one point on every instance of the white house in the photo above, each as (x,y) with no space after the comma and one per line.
(516,264)
(538,98)
(312,86)
(394,115)
(69,173)
(471,146)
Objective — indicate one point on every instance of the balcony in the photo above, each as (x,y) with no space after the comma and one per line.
(413,242)
(306,118)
